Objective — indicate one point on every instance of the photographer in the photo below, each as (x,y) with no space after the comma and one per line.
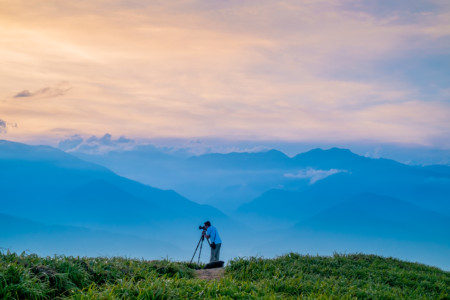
(212,233)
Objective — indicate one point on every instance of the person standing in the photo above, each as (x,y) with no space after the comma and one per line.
(215,241)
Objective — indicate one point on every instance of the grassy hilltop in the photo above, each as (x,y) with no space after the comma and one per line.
(290,276)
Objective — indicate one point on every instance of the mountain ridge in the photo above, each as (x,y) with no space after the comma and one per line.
(276,199)
(54,188)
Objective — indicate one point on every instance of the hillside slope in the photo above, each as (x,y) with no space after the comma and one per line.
(26,235)
(44,184)
(372,215)
(291,276)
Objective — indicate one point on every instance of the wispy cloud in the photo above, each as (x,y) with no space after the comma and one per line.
(57,90)
(313,175)
(70,143)
(96,145)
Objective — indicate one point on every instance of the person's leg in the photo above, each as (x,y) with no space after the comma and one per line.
(213,255)
(217,253)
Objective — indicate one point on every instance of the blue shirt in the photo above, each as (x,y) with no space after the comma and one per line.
(213,235)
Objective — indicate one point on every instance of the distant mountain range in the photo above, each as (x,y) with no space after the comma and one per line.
(228,181)
(46,185)
(426,187)
(371,215)
(320,200)
(223,180)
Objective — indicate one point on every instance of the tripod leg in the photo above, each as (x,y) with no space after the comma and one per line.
(200,252)
(197,248)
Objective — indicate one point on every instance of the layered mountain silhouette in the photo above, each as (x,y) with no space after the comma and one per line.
(228,181)
(46,185)
(425,187)
(369,223)
(271,159)
(319,201)
(371,215)
(223,180)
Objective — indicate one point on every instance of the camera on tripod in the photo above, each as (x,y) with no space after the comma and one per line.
(202,227)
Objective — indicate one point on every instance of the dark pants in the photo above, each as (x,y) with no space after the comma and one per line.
(215,253)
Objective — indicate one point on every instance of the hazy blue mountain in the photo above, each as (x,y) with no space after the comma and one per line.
(12,151)
(344,159)
(50,186)
(271,159)
(139,161)
(371,215)
(286,204)
(223,180)
(368,223)
(272,185)
(227,181)
(327,243)
(438,169)
(333,158)
(26,235)
(425,187)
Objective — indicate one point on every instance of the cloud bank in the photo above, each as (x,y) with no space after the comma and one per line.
(95,145)
(313,175)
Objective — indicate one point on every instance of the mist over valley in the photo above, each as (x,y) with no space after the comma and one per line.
(263,203)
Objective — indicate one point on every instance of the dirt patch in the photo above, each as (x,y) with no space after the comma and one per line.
(210,274)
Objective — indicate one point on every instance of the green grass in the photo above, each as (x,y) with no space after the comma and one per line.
(291,276)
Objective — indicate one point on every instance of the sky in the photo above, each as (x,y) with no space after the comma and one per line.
(323,70)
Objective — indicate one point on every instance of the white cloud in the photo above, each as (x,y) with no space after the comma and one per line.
(313,175)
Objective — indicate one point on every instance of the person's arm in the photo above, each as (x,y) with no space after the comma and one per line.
(206,234)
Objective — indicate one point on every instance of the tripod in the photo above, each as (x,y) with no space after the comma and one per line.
(200,243)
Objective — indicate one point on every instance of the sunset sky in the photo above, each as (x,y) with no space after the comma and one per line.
(301,70)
